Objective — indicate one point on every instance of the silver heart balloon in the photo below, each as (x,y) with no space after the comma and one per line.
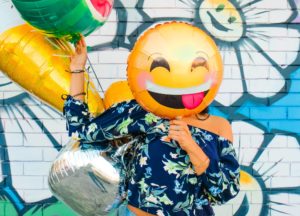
(87,179)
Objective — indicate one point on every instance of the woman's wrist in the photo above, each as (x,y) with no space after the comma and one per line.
(77,67)
(191,146)
(201,166)
(196,154)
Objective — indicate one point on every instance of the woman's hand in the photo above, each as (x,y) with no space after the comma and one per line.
(180,132)
(79,58)
(78,61)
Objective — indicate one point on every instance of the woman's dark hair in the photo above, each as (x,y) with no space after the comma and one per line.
(205,111)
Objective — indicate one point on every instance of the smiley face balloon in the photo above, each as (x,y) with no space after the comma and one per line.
(174,69)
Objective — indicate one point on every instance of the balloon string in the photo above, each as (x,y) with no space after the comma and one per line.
(87,85)
(91,66)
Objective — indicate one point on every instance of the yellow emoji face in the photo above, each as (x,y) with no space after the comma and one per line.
(174,69)
(222,19)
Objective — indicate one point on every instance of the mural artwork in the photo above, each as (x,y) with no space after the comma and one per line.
(259,41)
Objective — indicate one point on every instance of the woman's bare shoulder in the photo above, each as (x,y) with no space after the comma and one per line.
(222,127)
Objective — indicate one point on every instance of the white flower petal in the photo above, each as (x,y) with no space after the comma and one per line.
(274,163)
(232,82)
(134,18)
(247,138)
(268,11)
(36,195)
(279,207)
(126,20)
(185,3)
(277,150)
(9,16)
(255,64)
(107,32)
(281,44)
(168,8)
(224,210)
(30,147)
(244,2)
(9,88)
(111,67)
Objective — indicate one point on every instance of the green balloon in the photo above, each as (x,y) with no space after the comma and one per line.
(65,18)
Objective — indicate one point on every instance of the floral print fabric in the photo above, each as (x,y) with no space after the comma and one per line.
(161,179)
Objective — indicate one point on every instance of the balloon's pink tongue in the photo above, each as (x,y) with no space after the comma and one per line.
(102,6)
(191,101)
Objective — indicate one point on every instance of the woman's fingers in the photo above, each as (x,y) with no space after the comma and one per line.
(80,43)
(175,127)
(178,122)
(78,47)
(179,125)
(83,41)
(179,134)
(174,132)
(174,137)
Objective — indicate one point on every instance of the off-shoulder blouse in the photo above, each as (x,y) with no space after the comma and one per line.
(161,179)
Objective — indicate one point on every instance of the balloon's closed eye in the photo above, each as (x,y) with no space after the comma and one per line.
(160,62)
(199,62)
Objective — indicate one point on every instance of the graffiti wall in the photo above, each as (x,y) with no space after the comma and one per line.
(259,41)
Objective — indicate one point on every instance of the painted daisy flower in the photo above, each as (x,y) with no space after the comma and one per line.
(33,134)
(270,173)
(261,35)
(253,37)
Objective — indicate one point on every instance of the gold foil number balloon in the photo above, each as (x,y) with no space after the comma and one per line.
(38,64)
(174,69)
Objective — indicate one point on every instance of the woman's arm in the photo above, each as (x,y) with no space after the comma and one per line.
(180,132)
(217,163)
(124,119)
(78,61)
(121,120)
(220,182)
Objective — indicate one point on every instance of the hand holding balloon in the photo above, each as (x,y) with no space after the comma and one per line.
(180,132)
(79,58)
(38,64)
(78,61)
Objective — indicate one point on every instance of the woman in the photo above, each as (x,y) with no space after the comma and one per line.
(181,168)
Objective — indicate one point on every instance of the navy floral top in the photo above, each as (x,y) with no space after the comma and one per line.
(161,179)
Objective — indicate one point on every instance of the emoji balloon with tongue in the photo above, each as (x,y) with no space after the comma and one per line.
(174,69)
